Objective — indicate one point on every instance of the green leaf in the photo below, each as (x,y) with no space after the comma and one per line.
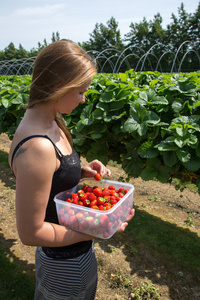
(130,125)
(163,174)
(151,118)
(98,151)
(147,150)
(166,146)
(18,100)
(107,96)
(142,129)
(86,116)
(133,167)
(193,164)
(170,158)
(183,155)
(149,173)
(79,139)
(198,150)
(116,106)
(5,103)
(98,114)
(96,135)
(138,112)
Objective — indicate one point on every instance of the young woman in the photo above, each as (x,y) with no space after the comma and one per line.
(44,163)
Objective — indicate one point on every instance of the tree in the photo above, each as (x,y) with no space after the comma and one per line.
(181,40)
(105,38)
(10,52)
(146,41)
(55,37)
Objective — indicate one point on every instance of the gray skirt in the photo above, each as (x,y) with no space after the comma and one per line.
(66,279)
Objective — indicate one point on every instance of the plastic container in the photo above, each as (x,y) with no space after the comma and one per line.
(99,223)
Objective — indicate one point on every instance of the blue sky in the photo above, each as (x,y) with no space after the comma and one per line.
(29,22)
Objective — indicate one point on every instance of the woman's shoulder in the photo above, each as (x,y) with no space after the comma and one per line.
(34,146)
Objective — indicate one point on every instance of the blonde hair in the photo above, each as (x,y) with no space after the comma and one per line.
(58,68)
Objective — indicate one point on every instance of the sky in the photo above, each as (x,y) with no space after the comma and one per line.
(29,22)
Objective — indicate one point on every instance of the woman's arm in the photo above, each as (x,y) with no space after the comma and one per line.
(34,166)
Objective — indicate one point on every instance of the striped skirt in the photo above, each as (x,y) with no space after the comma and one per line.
(66,279)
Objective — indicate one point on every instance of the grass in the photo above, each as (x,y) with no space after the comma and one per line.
(16,280)
(178,245)
(4,158)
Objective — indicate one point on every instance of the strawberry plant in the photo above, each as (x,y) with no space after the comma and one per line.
(148,122)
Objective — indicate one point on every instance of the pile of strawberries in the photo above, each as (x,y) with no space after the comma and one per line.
(97,198)
(95,222)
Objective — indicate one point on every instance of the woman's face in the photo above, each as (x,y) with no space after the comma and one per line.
(72,99)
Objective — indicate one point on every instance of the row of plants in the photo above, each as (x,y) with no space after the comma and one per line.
(148,122)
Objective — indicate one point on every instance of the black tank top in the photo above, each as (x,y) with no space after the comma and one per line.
(65,177)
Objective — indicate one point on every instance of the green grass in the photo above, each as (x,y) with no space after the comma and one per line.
(17,280)
(4,158)
(178,245)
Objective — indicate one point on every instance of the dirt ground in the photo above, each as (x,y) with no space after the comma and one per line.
(114,260)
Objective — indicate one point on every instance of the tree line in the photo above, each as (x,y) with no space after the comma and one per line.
(146,45)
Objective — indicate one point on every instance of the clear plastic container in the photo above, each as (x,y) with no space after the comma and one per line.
(99,223)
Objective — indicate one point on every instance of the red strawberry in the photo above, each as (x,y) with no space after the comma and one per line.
(89,189)
(105,192)
(104,220)
(91,197)
(86,202)
(74,196)
(93,203)
(68,200)
(97,191)
(97,177)
(111,187)
(94,207)
(100,201)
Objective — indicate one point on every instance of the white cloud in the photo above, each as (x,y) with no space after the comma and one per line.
(39,11)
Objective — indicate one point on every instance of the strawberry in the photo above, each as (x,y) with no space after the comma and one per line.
(86,202)
(113,202)
(93,203)
(104,220)
(94,207)
(91,197)
(89,189)
(84,187)
(61,212)
(121,195)
(74,196)
(97,177)
(107,206)
(75,201)
(97,191)
(105,193)
(82,196)
(111,187)
(79,215)
(101,207)
(100,201)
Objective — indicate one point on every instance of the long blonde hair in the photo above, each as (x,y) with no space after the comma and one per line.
(58,68)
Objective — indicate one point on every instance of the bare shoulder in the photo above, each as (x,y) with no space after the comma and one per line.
(34,154)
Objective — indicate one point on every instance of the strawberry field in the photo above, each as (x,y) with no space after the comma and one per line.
(147,122)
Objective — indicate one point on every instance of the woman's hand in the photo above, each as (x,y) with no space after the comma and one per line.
(125,224)
(93,168)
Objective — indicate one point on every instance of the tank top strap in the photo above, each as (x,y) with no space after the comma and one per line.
(58,152)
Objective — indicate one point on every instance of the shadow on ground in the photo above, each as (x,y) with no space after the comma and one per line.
(17,277)
(160,252)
